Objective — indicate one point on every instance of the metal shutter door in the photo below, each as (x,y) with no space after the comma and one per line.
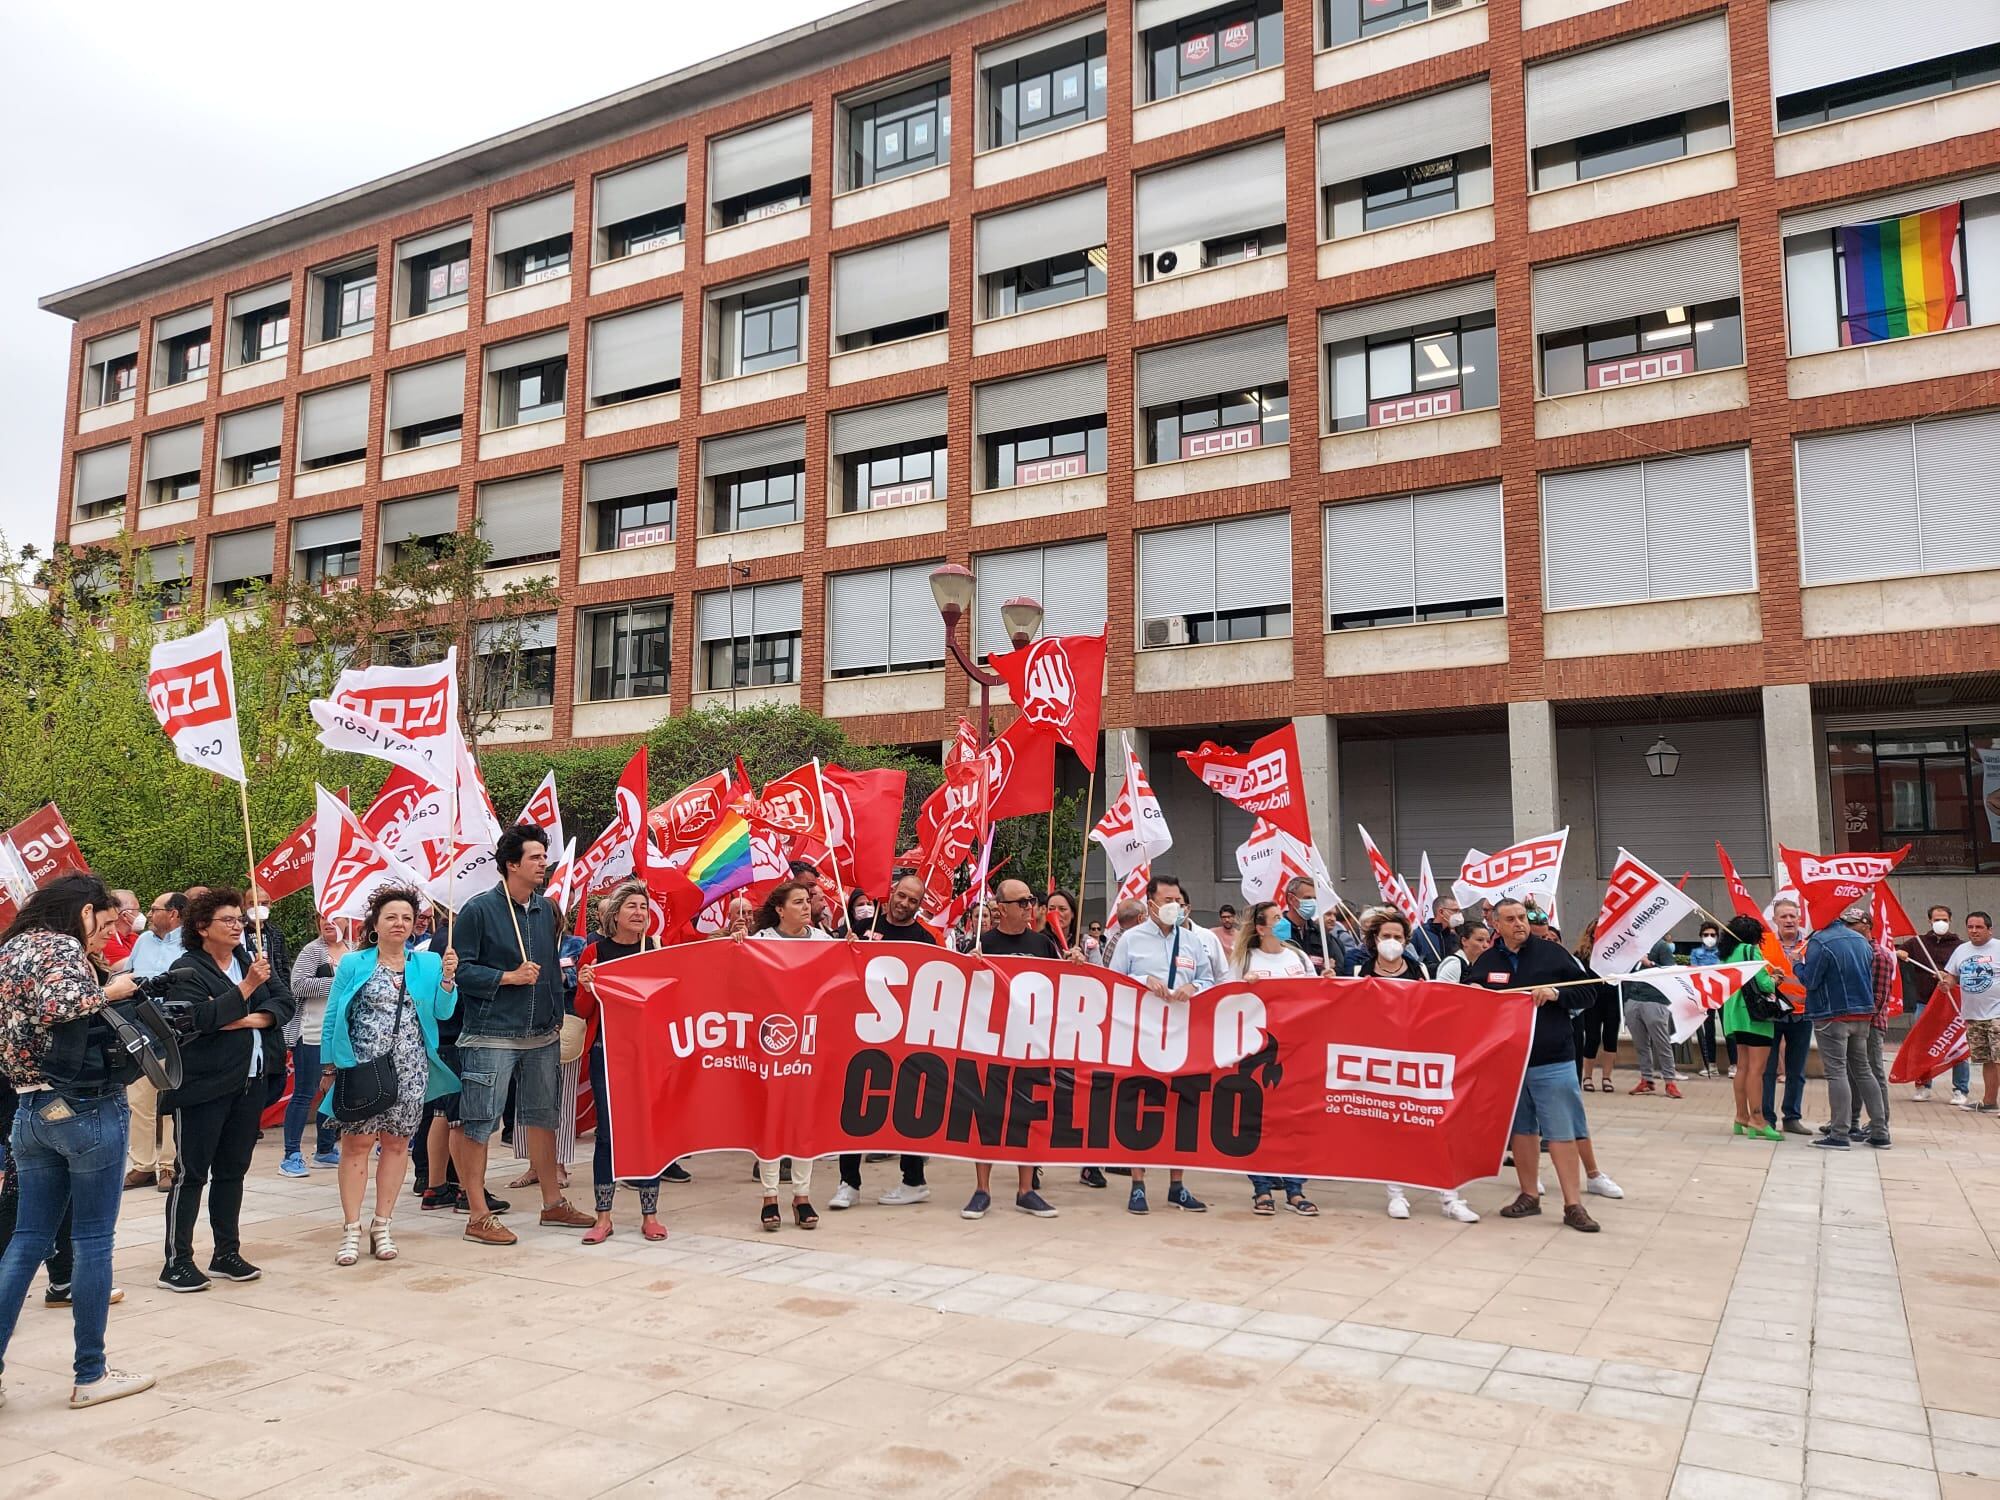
(111,346)
(775,607)
(427,393)
(857,620)
(183,322)
(240,555)
(1452,793)
(634,474)
(998,577)
(1579,510)
(1672,273)
(891,283)
(1817,42)
(1058,226)
(528,351)
(170,453)
(1176,572)
(635,349)
(1891,205)
(256,300)
(1425,308)
(532,222)
(102,472)
(888,426)
(437,239)
(1034,400)
(1662,73)
(761,157)
(1072,589)
(645,189)
(916,629)
(1853,485)
(1698,525)
(1674,822)
(334,421)
(520,516)
(1417,130)
(1209,367)
(340,529)
(1368,547)
(1956,464)
(1212,196)
(1448,569)
(1253,562)
(426,515)
(250,431)
(759,448)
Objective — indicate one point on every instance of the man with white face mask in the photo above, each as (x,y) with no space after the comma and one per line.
(1171,961)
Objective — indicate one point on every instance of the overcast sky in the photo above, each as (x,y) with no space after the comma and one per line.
(133,129)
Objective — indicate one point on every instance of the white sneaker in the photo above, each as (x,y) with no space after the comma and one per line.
(1458,1210)
(1922,1093)
(115,1383)
(843,1197)
(903,1193)
(1399,1206)
(1959,1097)
(1732,1070)
(1601,1184)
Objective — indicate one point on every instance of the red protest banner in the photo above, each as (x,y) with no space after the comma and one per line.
(289,867)
(1935,1042)
(811,1048)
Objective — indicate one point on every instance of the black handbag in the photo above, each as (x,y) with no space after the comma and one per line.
(369,1088)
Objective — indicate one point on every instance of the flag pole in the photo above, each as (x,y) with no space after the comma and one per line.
(1083,854)
(250,848)
(832,855)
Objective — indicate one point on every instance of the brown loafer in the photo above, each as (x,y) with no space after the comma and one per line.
(1575,1218)
(488,1230)
(565,1215)
(166,1182)
(141,1177)
(1525,1206)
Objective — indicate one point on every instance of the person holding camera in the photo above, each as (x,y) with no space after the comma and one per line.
(67,1147)
(224,998)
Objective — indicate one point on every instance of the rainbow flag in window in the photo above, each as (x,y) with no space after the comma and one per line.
(1898,275)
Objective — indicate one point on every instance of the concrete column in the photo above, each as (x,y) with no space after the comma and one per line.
(1791,769)
(1111,781)
(1531,746)
(1319,763)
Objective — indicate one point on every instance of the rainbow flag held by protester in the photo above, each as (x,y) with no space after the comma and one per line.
(1898,275)
(722,863)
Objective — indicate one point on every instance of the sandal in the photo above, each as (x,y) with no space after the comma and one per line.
(350,1245)
(652,1229)
(381,1244)
(1303,1206)
(1589,1087)
(526,1179)
(770,1218)
(597,1234)
(807,1216)
(1262,1206)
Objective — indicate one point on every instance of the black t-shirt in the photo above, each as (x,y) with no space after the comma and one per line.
(1029,944)
(902,932)
(1539,962)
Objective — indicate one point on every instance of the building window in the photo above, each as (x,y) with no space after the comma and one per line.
(770,328)
(635,521)
(759,497)
(234,593)
(1224,251)
(1856,96)
(1351,20)
(118,379)
(169,488)
(440,278)
(1044,283)
(542,261)
(1420,191)
(1202,585)
(1436,370)
(907,132)
(759,661)
(1208,49)
(1414,558)
(628,652)
(1654,346)
(187,357)
(417,549)
(1050,90)
(778,198)
(1882,310)
(1934,789)
(266,333)
(425,434)
(1629,147)
(347,302)
(258,467)
(1219,424)
(332,569)
(884,477)
(653,231)
(531,684)
(533,392)
(1039,455)
(889,333)
(882,621)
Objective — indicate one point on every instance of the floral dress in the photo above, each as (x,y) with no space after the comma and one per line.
(372,1024)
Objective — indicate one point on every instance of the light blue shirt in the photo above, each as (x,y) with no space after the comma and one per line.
(155,955)
(1143,953)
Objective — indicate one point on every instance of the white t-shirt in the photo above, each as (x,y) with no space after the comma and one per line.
(1976,966)
(809,935)
(1286,963)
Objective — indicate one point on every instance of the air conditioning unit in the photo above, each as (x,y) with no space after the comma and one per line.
(1177,260)
(1168,630)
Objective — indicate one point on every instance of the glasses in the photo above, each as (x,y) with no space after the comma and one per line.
(1019,901)
(231,919)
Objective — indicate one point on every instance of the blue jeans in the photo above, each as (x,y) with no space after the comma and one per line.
(1291,1187)
(305,1083)
(1790,1039)
(77,1163)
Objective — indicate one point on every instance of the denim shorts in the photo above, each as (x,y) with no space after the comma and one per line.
(483,1075)
(1551,1104)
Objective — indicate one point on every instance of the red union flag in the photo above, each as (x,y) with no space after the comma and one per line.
(349,866)
(616,851)
(194,697)
(45,845)
(863,810)
(1527,871)
(1740,900)
(1265,779)
(1640,907)
(419,703)
(545,812)
(1830,883)
(1058,682)
(1936,1040)
(693,813)
(1014,776)
(1692,993)
(1395,890)
(288,868)
(793,804)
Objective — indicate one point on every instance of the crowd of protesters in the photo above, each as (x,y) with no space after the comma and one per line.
(399,1045)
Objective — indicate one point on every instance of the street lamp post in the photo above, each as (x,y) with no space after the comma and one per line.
(952,587)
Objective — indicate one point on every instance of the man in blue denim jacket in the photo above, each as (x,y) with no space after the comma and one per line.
(1839,974)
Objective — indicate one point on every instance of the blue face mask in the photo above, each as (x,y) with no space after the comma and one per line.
(1308,909)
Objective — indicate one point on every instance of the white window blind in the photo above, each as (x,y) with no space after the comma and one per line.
(1625,83)
(101,473)
(1216,567)
(340,528)
(521,517)
(1684,272)
(1669,528)
(530,223)
(1818,42)
(253,431)
(1210,197)
(332,422)
(1067,578)
(882,618)
(176,451)
(241,555)
(649,188)
(760,609)
(1055,226)
(760,157)
(1403,135)
(891,283)
(1928,485)
(1411,552)
(427,393)
(634,349)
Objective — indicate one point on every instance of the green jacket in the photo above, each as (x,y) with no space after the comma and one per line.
(1735,1013)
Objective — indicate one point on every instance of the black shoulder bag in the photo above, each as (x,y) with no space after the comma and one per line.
(369,1088)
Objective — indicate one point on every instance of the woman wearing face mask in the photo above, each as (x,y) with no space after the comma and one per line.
(622,922)
(860,913)
(786,916)
(1385,939)
(1709,951)
(1260,954)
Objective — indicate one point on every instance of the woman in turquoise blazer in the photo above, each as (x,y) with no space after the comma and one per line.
(386,1003)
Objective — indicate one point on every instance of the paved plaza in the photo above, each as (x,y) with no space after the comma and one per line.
(1756,1320)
